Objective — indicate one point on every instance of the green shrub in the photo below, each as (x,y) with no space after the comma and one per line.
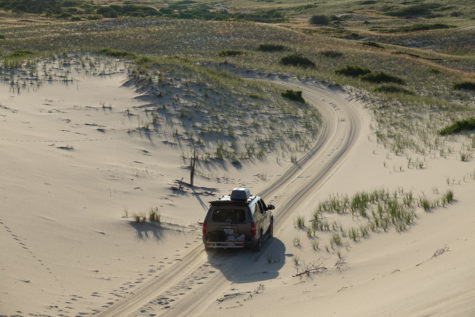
(465,85)
(412,11)
(115,10)
(434,71)
(393,89)
(20,54)
(230,53)
(380,77)
(295,95)
(116,53)
(353,71)
(422,27)
(319,20)
(297,60)
(331,54)
(459,126)
(372,44)
(272,48)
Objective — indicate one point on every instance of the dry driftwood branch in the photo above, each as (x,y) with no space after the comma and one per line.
(311,269)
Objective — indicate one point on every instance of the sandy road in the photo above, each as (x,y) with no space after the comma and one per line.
(191,285)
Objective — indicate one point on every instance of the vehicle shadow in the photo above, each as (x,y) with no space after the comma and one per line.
(244,266)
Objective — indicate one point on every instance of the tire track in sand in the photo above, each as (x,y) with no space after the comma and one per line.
(177,291)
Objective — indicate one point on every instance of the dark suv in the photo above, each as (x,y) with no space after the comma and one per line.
(238,221)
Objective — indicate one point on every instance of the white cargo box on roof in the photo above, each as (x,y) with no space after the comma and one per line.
(240,194)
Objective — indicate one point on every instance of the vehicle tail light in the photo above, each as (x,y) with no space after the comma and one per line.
(204,228)
(253,229)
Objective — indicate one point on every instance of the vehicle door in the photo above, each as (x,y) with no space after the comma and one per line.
(264,215)
(258,219)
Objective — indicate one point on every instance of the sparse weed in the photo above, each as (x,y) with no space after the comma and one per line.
(297,242)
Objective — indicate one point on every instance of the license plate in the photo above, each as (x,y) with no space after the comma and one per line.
(228,231)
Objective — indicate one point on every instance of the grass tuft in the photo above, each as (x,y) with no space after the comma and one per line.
(300,222)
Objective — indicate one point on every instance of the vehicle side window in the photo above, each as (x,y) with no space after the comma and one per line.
(262,206)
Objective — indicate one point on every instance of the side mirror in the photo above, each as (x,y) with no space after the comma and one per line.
(270,207)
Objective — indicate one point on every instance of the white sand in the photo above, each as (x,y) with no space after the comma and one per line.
(67,247)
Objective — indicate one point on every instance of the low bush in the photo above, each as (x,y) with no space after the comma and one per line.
(465,85)
(116,53)
(272,48)
(295,95)
(319,20)
(353,71)
(372,44)
(20,54)
(380,77)
(459,126)
(297,60)
(114,11)
(422,27)
(418,10)
(225,53)
(331,54)
(393,89)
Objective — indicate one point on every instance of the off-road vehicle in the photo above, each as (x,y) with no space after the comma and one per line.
(238,221)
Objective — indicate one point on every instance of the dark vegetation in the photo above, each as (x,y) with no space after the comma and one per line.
(319,20)
(459,126)
(393,89)
(52,8)
(465,85)
(331,53)
(295,95)
(40,6)
(272,48)
(117,53)
(353,71)
(372,44)
(422,27)
(191,10)
(417,10)
(225,53)
(381,77)
(74,9)
(297,60)
(20,54)
(114,11)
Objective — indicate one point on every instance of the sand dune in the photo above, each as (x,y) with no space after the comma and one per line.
(73,177)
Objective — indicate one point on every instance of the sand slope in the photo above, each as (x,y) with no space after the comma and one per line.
(73,176)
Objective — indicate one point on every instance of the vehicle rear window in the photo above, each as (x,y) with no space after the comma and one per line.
(228,215)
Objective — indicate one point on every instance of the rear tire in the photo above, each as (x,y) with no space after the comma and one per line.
(258,245)
(271,229)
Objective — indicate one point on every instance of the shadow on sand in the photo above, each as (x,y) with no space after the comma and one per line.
(243,265)
(147,230)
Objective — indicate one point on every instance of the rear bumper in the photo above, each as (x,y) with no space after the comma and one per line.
(225,245)
(237,244)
